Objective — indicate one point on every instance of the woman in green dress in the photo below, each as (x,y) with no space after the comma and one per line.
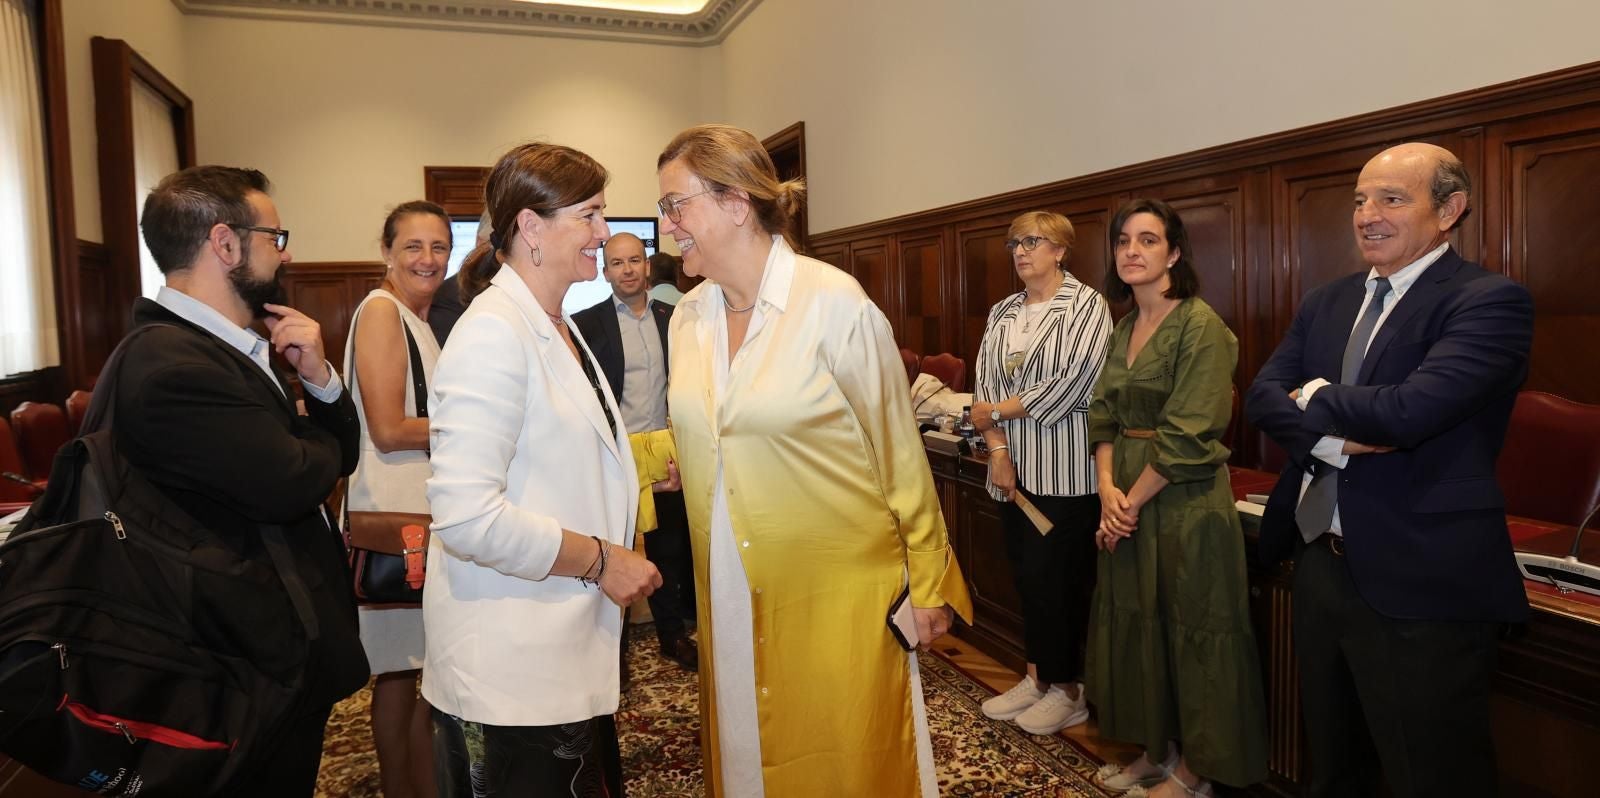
(1172,661)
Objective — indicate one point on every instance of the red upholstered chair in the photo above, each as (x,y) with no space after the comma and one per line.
(77,408)
(14,487)
(1549,468)
(950,370)
(911,359)
(41,429)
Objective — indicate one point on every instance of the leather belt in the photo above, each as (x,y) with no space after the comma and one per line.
(1138,433)
(1331,542)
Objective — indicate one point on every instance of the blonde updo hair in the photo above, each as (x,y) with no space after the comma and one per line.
(1054,227)
(726,157)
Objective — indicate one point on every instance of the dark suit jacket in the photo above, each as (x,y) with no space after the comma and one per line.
(603,332)
(204,424)
(446,309)
(1424,525)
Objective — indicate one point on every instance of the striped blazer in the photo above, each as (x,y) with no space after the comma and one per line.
(1051,446)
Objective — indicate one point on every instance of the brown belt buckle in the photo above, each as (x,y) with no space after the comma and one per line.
(1335,544)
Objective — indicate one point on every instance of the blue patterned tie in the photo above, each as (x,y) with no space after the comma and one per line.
(1315,513)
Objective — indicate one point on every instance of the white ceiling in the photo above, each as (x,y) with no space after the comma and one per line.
(692,23)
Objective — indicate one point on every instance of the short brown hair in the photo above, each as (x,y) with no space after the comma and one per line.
(543,178)
(727,157)
(185,205)
(1055,228)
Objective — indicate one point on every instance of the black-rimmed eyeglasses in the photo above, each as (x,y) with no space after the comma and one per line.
(1027,243)
(279,235)
(672,207)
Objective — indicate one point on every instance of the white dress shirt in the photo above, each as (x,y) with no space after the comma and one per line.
(245,340)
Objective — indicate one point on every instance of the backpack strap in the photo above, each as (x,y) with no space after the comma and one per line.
(419,378)
(277,545)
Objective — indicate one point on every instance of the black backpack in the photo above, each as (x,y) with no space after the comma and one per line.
(140,654)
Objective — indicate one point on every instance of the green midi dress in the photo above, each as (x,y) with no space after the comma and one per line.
(1171,653)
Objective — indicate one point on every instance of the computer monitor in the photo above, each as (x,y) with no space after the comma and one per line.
(464,234)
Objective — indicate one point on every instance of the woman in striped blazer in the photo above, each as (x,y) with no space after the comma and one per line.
(1042,351)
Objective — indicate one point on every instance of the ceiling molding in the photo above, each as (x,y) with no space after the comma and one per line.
(700,29)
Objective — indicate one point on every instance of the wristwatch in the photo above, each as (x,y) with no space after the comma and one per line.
(994,416)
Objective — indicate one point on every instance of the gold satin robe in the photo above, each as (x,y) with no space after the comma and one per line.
(830,494)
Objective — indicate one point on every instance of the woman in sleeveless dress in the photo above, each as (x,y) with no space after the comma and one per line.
(393,471)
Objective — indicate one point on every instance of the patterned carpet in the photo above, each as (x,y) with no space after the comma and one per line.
(659,728)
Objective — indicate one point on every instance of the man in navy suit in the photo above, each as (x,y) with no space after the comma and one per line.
(1391,393)
(628,335)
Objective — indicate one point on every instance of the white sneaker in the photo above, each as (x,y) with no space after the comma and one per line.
(1015,701)
(1054,712)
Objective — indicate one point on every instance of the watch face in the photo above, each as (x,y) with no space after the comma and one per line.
(994,415)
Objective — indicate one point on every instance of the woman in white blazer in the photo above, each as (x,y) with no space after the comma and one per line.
(533,497)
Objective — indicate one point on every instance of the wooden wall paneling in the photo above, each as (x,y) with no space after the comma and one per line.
(329,293)
(922,291)
(837,255)
(985,276)
(1546,171)
(459,189)
(870,262)
(101,316)
(1091,223)
(996,605)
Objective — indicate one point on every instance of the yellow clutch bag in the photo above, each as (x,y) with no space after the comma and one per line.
(651,451)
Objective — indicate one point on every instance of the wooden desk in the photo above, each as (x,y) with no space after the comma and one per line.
(1546,698)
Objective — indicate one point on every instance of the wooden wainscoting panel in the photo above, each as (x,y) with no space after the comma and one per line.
(329,293)
(1552,167)
(870,263)
(922,291)
(1091,254)
(101,312)
(996,605)
(836,255)
(984,277)
(458,188)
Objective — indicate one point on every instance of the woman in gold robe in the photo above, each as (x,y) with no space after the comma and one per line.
(808,492)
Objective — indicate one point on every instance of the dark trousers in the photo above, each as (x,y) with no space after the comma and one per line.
(581,760)
(672,605)
(1055,576)
(291,770)
(1387,698)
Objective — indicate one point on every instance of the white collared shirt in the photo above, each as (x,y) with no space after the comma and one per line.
(644,369)
(1329,449)
(246,341)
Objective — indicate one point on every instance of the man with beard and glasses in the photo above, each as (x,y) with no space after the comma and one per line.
(201,413)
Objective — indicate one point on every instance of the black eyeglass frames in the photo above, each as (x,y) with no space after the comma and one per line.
(279,235)
(1027,243)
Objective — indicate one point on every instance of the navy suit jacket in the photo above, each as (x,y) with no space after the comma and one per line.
(1424,525)
(603,333)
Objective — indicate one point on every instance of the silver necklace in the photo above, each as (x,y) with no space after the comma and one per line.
(1029,314)
(732,309)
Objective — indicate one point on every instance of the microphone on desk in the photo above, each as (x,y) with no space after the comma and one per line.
(1565,574)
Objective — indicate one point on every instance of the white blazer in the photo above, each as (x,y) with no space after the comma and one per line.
(521,450)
